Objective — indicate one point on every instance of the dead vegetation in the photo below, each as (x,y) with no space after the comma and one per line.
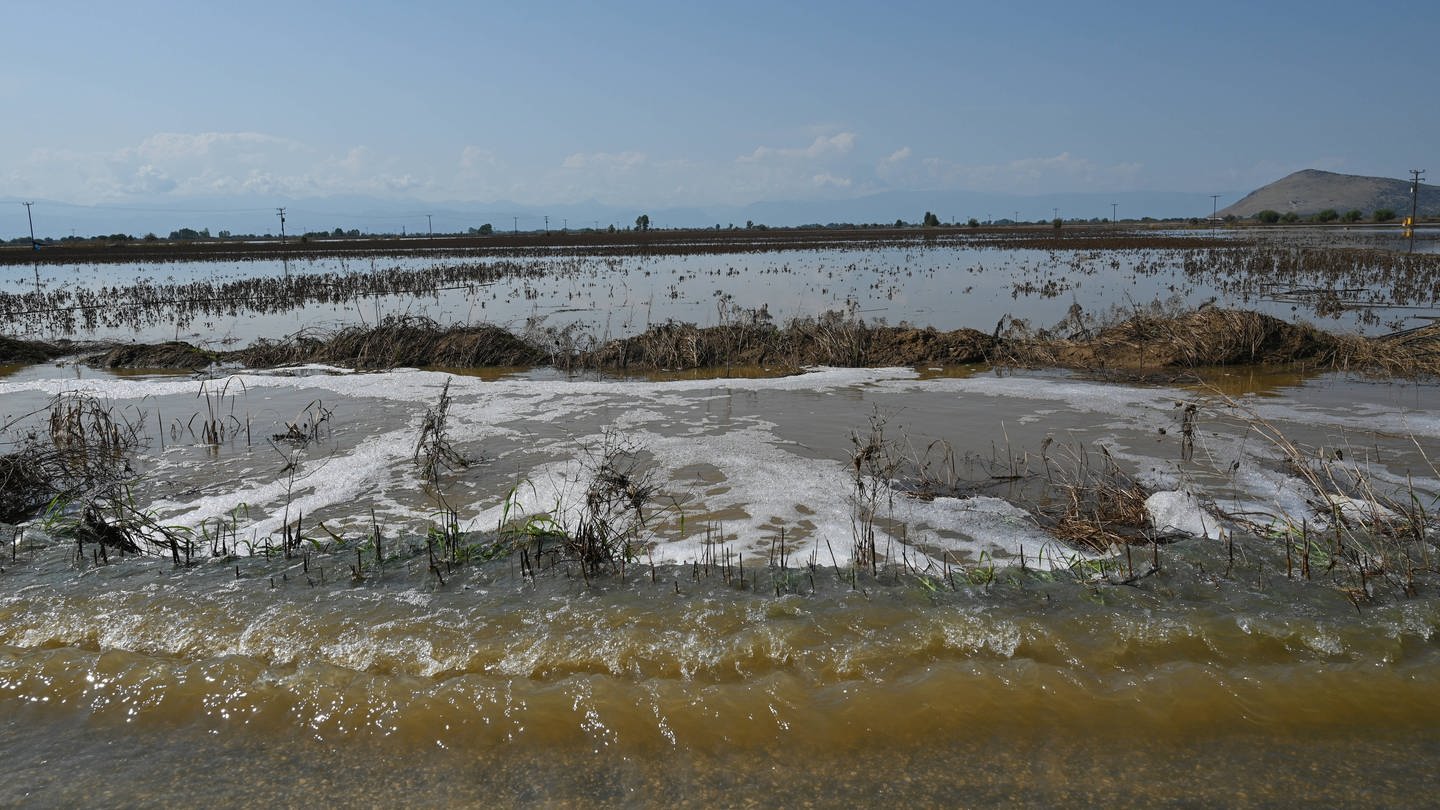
(1205,337)
(1096,510)
(1133,344)
(20,352)
(831,339)
(408,341)
(1139,343)
(171,354)
(75,467)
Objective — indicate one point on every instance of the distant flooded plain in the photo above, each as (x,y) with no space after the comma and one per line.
(966,585)
(947,282)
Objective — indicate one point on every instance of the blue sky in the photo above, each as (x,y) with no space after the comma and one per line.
(659,104)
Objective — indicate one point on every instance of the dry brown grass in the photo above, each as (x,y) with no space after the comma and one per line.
(399,342)
(1143,342)
(1204,337)
(1411,353)
(172,354)
(830,339)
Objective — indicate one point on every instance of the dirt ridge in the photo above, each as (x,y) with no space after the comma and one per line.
(1143,342)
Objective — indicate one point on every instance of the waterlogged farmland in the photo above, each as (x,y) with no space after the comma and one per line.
(599,292)
(973,583)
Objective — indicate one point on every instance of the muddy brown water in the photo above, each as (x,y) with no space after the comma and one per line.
(254,680)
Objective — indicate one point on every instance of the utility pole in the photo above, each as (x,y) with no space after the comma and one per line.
(31,220)
(429,228)
(1416,175)
(1214,207)
(547,224)
(1114,215)
(281,212)
(515,225)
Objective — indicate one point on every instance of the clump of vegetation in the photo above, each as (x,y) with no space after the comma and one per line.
(835,338)
(620,487)
(396,342)
(433,450)
(1205,337)
(75,469)
(172,354)
(1097,510)
(1363,534)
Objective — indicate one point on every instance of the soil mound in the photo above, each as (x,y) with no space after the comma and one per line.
(903,346)
(1206,337)
(1143,344)
(401,342)
(172,354)
(829,340)
(17,352)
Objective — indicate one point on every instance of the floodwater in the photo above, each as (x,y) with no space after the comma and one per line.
(842,586)
(946,283)
(980,660)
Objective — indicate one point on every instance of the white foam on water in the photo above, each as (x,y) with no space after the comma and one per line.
(325,482)
(988,525)
(1077,395)
(1363,417)
(1177,511)
(764,480)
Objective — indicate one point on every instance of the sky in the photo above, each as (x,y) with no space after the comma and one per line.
(671,104)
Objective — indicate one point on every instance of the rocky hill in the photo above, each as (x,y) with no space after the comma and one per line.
(1310,191)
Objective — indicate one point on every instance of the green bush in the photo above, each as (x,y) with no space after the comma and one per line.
(1268,217)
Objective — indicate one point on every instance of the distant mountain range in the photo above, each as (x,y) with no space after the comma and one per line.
(1311,191)
(258,215)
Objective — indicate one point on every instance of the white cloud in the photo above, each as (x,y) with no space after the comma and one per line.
(1062,172)
(622,161)
(827,180)
(243,146)
(150,180)
(823,146)
(473,157)
(898,156)
(356,159)
(218,163)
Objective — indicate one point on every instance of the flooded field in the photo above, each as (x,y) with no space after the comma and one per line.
(1343,282)
(963,584)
